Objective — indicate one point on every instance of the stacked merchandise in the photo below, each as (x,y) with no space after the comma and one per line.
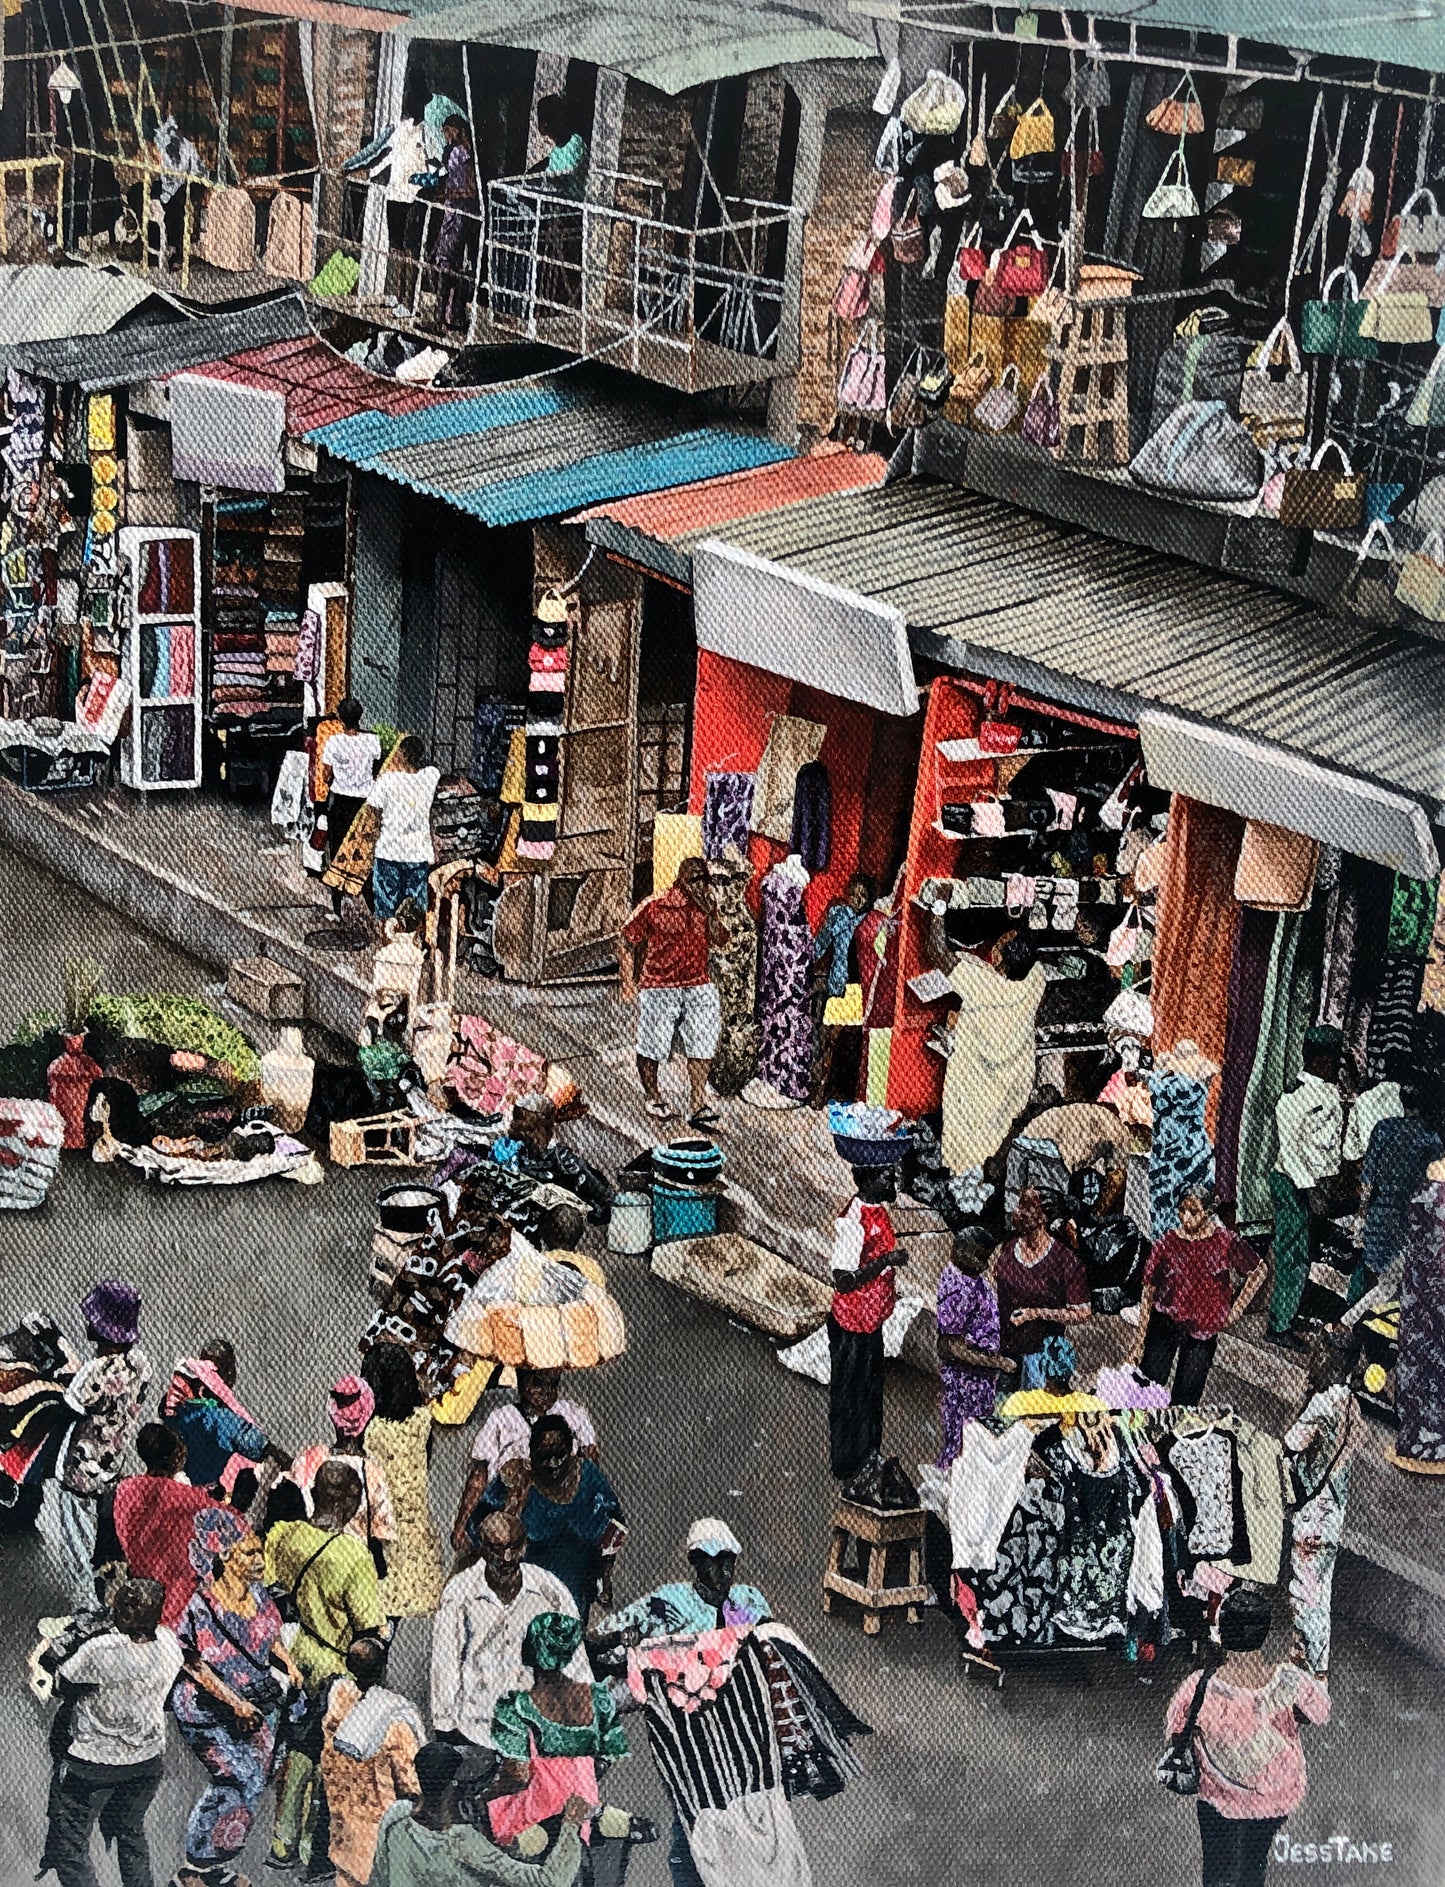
(167,660)
(283,638)
(546,700)
(281,552)
(238,641)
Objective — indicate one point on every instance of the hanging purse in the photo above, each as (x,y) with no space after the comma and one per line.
(1333,327)
(1421,583)
(1033,132)
(1172,199)
(1275,410)
(1314,499)
(999,407)
(1357,205)
(905,410)
(862,385)
(1224,227)
(1413,234)
(1053,307)
(1235,171)
(1427,407)
(1180,115)
(1398,305)
(970,383)
(1123,943)
(1021,268)
(909,242)
(852,297)
(935,109)
(880,225)
(1088,89)
(951,186)
(1041,416)
(978,144)
(971,262)
(935,381)
(1369,590)
(1006,114)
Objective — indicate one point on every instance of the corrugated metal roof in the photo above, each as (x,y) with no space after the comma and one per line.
(654,41)
(536,451)
(1112,629)
(319,384)
(643,529)
(40,301)
(1408,34)
(122,357)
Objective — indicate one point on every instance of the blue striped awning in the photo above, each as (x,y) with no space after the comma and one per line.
(538,450)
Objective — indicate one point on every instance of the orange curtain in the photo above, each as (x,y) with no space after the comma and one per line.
(1198,917)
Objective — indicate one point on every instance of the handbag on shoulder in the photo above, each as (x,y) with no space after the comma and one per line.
(1178,1768)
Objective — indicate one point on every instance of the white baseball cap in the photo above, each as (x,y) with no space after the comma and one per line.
(712,1537)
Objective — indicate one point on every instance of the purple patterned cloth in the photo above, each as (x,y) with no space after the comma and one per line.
(967,1308)
(785,961)
(727,811)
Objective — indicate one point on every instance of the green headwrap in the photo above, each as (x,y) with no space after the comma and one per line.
(551,1641)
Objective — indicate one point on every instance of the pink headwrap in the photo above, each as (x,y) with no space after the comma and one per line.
(351,1405)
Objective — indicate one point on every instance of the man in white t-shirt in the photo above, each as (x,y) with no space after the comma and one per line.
(352,758)
(111,1769)
(405,854)
(506,1435)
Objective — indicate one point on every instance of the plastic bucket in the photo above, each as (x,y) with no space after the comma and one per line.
(682,1212)
(629,1230)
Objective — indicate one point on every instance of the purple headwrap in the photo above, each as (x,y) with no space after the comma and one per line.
(351,1406)
(215,1530)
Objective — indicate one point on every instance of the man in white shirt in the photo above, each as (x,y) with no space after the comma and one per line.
(351,757)
(1310,1119)
(111,1768)
(506,1435)
(403,795)
(478,1631)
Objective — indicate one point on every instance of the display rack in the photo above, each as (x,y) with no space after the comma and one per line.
(161,656)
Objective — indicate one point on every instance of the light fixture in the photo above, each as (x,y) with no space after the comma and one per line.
(64,82)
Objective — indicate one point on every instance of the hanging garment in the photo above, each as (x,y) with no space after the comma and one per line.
(984,1486)
(1146,1566)
(1412,915)
(1205,1464)
(289,238)
(1194,940)
(726,812)
(1392,1016)
(491,740)
(785,961)
(812,816)
(1180,1155)
(991,1062)
(1017,1598)
(1432,986)
(675,836)
(1248,974)
(1420,1371)
(1373,886)
(1260,1462)
(1322,1443)
(1289,1003)
(734,974)
(1098,1547)
(792,744)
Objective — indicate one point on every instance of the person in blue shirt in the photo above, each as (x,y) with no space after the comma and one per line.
(201,1407)
(713,1597)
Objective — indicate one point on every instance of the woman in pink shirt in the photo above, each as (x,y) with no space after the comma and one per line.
(1246,1737)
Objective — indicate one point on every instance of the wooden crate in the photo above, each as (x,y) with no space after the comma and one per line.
(375,1140)
(267,989)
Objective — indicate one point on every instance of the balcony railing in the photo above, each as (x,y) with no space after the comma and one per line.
(690,308)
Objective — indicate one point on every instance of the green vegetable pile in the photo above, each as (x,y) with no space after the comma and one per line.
(180,1022)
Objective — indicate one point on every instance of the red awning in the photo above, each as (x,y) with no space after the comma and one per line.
(658,531)
(319,384)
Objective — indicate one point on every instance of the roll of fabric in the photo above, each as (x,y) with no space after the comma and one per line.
(1194,944)
(675,836)
(1248,973)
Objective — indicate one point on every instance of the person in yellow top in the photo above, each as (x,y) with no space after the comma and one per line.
(1058,1395)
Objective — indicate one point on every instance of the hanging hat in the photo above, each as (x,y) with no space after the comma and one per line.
(712,1537)
(111,1310)
(351,1405)
(551,1642)
(552,607)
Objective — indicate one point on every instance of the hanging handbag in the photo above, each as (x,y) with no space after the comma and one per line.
(1314,499)
(1172,199)
(1201,451)
(880,226)
(1088,89)
(909,242)
(1123,944)
(1225,227)
(1333,327)
(1006,114)
(999,407)
(1053,307)
(935,381)
(971,262)
(1021,268)
(1381,497)
(1411,233)
(1033,132)
(978,144)
(852,297)
(951,186)
(888,158)
(1275,410)
(1369,590)
(1397,310)
(1236,172)
(1427,407)
(1041,416)
(1178,1768)
(1357,205)
(1421,583)
(935,109)
(1240,111)
(905,411)
(1180,115)
(1405,276)
(862,385)
(971,382)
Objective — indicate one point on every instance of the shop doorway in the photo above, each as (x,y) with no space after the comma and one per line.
(667,680)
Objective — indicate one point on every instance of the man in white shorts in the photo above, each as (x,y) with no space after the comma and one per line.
(664,964)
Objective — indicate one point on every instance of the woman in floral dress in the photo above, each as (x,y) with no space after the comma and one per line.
(229,1700)
(398,1439)
(970,1363)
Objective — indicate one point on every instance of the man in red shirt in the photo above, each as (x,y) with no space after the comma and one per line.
(153,1516)
(664,964)
(1041,1286)
(1188,1298)
(865,1256)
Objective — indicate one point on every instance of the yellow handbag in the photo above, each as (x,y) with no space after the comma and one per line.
(1034,131)
(957,331)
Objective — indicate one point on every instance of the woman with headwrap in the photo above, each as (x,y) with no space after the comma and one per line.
(552,1740)
(1058,1395)
(230,1699)
(351,1405)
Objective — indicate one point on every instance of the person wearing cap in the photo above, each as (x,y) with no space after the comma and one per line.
(664,965)
(351,1405)
(427,1843)
(1310,1121)
(711,1598)
(105,1395)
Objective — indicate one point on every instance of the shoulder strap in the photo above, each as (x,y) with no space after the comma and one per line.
(1191,1722)
(230,1637)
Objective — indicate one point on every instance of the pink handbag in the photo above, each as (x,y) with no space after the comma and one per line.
(1021,268)
(862,385)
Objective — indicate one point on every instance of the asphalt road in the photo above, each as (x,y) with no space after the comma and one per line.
(1048,1780)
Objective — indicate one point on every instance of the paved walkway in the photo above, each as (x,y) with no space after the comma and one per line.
(217,880)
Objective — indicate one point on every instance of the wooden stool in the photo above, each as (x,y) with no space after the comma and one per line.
(877,1530)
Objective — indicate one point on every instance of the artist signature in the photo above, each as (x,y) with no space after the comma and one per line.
(1342,1850)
